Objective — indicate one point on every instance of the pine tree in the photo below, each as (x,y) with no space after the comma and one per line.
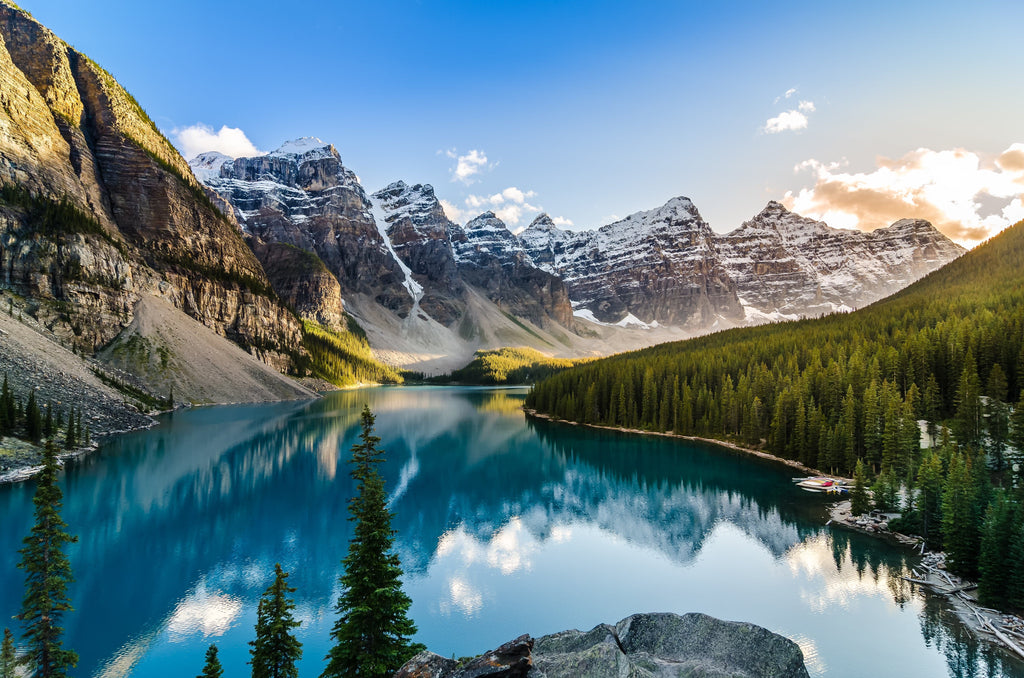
(8,660)
(6,409)
(958,511)
(1016,434)
(276,649)
(70,442)
(967,424)
(929,482)
(212,667)
(994,564)
(372,633)
(48,421)
(33,419)
(47,574)
(859,501)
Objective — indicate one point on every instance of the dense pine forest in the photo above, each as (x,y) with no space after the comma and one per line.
(849,389)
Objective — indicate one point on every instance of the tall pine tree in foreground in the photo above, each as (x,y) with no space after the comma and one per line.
(275,650)
(372,634)
(7,656)
(212,667)
(47,574)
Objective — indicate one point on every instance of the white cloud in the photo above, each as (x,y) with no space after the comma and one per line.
(790,92)
(966,195)
(453,212)
(785,121)
(508,205)
(561,221)
(467,165)
(199,138)
(806,106)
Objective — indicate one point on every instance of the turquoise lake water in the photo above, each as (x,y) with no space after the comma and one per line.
(505,526)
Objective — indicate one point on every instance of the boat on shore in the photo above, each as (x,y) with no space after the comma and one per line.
(823,484)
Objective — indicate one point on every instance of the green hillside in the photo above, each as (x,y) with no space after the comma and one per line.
(844,393)
(833,390)
(521,365)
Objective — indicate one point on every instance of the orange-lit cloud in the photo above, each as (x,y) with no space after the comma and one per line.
(967,196)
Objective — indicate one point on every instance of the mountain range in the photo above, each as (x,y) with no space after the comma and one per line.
(114,248)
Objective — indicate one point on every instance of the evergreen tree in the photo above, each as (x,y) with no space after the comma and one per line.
(212,667)
(958,512)
(33,418)
(6,409)
(373,630)
(929,504)
(48,421)
(8,660)
(967,424)
(47,574)
(859,501)
(70,442)
(1016,433)
(995,565)
(275,650)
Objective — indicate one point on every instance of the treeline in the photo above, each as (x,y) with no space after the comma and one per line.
(24,418)
(832,391)
(520,365)
(951,503)
(342,358)
(845,393)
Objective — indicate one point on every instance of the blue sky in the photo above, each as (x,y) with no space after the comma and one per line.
(594,110)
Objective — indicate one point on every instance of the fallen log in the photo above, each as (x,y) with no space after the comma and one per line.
(1006,641)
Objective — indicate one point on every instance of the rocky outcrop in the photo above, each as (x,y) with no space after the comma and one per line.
(640,646)
(304,282)
(659,266)
(491,258)
(786,265)
(99,208)
(302,195)
(421,235)
(667,266)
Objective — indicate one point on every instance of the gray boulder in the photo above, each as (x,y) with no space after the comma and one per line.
(640,646)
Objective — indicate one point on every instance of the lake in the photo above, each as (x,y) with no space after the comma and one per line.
(504,526)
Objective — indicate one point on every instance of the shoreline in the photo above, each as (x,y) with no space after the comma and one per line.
(792,463)
(985,624)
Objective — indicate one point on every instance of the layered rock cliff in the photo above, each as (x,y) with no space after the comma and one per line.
(786,265)
(98,209)
(302,195)
(666,266)
(490,257)
(658,266)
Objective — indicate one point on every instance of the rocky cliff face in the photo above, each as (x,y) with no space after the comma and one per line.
(667,266)
(491,258)
(99,208)
(641,645)
(785,265)
(658,266)
(421,234)
(302,195)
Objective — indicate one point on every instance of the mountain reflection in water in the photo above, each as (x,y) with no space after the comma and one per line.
(504,526)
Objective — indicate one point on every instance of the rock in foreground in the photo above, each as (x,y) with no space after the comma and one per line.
(640,646)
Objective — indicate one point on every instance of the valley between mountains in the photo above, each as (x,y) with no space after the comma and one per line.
(132,274)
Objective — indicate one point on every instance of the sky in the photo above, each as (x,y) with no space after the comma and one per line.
(858,113)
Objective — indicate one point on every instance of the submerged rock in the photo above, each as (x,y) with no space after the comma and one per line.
(640,646)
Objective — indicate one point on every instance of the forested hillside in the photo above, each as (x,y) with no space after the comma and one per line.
(831,391)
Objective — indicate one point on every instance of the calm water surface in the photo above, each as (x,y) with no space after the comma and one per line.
(504,525)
